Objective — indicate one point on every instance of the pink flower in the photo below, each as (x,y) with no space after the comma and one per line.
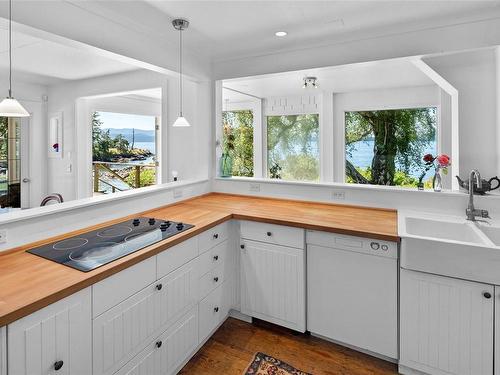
(443,160)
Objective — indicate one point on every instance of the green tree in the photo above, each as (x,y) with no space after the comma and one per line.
(292,144)
(238,126)
(399,136)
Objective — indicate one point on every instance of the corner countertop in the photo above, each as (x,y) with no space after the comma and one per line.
(29,283)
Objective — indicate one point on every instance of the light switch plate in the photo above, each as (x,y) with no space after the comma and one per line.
(3,236)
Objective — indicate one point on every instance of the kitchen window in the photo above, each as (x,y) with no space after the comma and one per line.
(293,147)
(386,147)
(238,141)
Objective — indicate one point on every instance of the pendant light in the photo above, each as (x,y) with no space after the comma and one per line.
(180,25)
(10,107)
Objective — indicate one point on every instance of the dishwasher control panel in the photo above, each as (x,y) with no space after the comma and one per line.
(353,243)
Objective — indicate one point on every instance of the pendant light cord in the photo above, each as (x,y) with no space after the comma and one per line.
(10,48)
(180,69)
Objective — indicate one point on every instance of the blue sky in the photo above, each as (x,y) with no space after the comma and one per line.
(122,121)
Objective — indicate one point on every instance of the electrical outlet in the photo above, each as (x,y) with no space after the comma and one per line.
(255,187)
(177,193)
(3,236)
(338,195)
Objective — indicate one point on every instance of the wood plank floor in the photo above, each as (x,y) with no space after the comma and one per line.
(233,346)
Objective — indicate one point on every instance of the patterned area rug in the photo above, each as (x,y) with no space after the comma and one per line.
(264,364)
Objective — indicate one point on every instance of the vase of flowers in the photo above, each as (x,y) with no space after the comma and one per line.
(440,163)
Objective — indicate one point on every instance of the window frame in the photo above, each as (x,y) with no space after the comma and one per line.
(341,150)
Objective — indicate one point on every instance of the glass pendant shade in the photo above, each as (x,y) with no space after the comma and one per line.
(181,122)
(10,107)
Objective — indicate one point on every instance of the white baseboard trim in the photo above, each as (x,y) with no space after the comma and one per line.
(240,316)
(409,371)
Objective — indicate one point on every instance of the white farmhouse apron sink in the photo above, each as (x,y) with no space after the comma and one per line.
(450,246)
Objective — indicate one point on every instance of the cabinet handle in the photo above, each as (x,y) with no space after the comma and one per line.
(158,344)
(269,234)
(159,286)
(216,257)
(487,295)
(216,309)
(216,235)
(242,246)
(216,279)
(58,365)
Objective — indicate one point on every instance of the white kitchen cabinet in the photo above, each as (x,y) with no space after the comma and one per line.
(214,309)
(497,330)
(54,340)
(3,351)
(446,325)
(167,353)
(273,283)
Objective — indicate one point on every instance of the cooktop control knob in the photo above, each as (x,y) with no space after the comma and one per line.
(179,226)
(151,221)
(136,222)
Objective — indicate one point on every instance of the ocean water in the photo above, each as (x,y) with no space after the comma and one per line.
(362,155)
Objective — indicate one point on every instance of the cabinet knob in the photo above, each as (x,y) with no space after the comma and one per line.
(216,279)
(487,295)
(242,246)
(216,309)
(158,344)
(216,257)
(159,286)
(58,365)
(216,235)
(269,234)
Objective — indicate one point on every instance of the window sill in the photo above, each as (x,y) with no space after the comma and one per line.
(338,185)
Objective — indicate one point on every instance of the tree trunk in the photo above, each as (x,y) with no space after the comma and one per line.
(384,150)
(353,173)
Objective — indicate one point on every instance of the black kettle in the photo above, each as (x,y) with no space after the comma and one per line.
(486,185)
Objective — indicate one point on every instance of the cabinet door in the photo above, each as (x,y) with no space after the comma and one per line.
(273,284)
(178,293)
(446,325)
(57,336)
(169,351)
(497,330)
(3,351)
(123,331)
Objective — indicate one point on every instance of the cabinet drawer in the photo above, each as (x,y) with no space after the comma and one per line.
(214,257)
(168,352)
(272,233)
(61,332)
(176,256)
(211,280)
(3,351)
(214,309)
(117,288)
(213,236)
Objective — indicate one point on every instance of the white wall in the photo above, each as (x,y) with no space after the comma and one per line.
(183,149)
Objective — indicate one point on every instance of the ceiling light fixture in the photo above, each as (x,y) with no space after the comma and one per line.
(280,33)
(310,82)
(10,107)
(180,25)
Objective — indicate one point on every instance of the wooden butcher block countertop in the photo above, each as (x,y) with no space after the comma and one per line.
(29,283)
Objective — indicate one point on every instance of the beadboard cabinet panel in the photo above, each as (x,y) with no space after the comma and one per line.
(58,337)
(3,350)
(273,283)
(166,354)
(446,325)
(179,293)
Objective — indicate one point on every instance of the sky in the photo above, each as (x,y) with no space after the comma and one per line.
(112,120)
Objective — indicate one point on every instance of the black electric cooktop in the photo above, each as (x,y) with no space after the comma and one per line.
(90,250)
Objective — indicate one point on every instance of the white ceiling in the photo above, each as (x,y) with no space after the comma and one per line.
(347,78)
(229,29)
(45,62)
